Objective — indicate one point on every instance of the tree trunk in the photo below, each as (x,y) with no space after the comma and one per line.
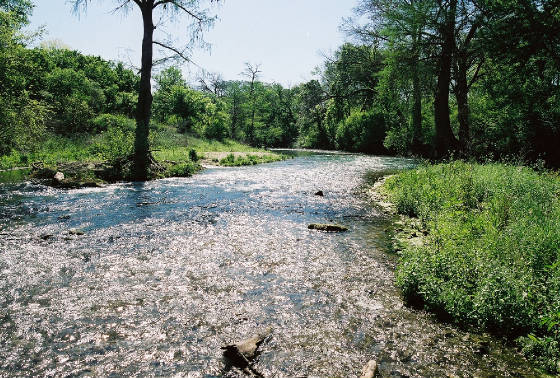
(461,94)
(142,155)
(234,116)
(417,99)
(445,140)
(251,133)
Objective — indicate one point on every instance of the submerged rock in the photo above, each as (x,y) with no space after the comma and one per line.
(47,236)
(327,227)
(320,193)
(369,370)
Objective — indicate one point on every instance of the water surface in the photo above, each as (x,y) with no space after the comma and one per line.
(166,272)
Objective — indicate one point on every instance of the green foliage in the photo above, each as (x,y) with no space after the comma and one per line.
(491,258)
(193,156)
(362,132)
(116,138)
(22,124)
(57,90)
(236,161)
(190,110)
(184,169)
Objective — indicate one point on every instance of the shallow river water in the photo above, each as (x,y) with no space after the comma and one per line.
(168,271)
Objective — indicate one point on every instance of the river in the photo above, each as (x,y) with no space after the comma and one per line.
(151,279)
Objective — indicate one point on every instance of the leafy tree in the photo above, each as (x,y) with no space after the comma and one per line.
(401,28)
(150,8)
(310,99)
(362,131)
(22,118)
(251,72)
(235,97)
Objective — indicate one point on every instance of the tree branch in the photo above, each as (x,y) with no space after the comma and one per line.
(176,51)
(180,6)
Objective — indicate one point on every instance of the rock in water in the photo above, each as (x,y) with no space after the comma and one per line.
(241,353)
(327,227)
(319,193)
(369,370)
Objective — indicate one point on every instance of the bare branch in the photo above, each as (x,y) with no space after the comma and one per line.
(181,54)
(199,18)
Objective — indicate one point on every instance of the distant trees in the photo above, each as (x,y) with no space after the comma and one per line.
(434,78)
(51,90)
(251,73)
(190,110)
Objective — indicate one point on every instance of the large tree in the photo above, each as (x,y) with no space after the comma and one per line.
(150,10)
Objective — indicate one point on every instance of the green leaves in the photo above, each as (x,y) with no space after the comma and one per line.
(491,257)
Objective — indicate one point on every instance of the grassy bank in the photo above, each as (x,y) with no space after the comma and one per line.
(491,257)
(180,154)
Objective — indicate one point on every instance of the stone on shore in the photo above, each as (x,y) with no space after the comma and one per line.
(58,177)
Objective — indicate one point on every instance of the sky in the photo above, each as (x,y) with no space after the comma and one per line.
(287,38)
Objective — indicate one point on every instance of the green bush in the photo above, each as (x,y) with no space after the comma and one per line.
(185,169)
(193,156)
(362,132)
(232,161)
(105,122)
(116,139)
(22,124)
(493,252)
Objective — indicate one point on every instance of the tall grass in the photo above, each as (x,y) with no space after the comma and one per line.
(52,150)
(116,140)
(492,257)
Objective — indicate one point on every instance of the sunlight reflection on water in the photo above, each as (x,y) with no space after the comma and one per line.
(168,271)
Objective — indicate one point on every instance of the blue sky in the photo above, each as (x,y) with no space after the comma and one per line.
(286,37)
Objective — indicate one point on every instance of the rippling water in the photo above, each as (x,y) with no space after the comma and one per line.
(166,272)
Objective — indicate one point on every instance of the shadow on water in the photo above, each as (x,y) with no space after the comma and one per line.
(165,273)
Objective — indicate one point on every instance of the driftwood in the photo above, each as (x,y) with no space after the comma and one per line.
(369,370)
(243,352)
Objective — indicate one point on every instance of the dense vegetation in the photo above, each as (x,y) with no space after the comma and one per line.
(426,78)
(491,257)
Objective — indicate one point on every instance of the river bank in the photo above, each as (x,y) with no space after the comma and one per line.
(91,161)
(478,246)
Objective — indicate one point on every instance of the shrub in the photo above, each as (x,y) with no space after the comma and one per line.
(105,122)
(362,132)
(116,140)
(492,255)
(185,169)
(193,156)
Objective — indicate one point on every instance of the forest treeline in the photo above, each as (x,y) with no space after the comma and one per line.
(475,79)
